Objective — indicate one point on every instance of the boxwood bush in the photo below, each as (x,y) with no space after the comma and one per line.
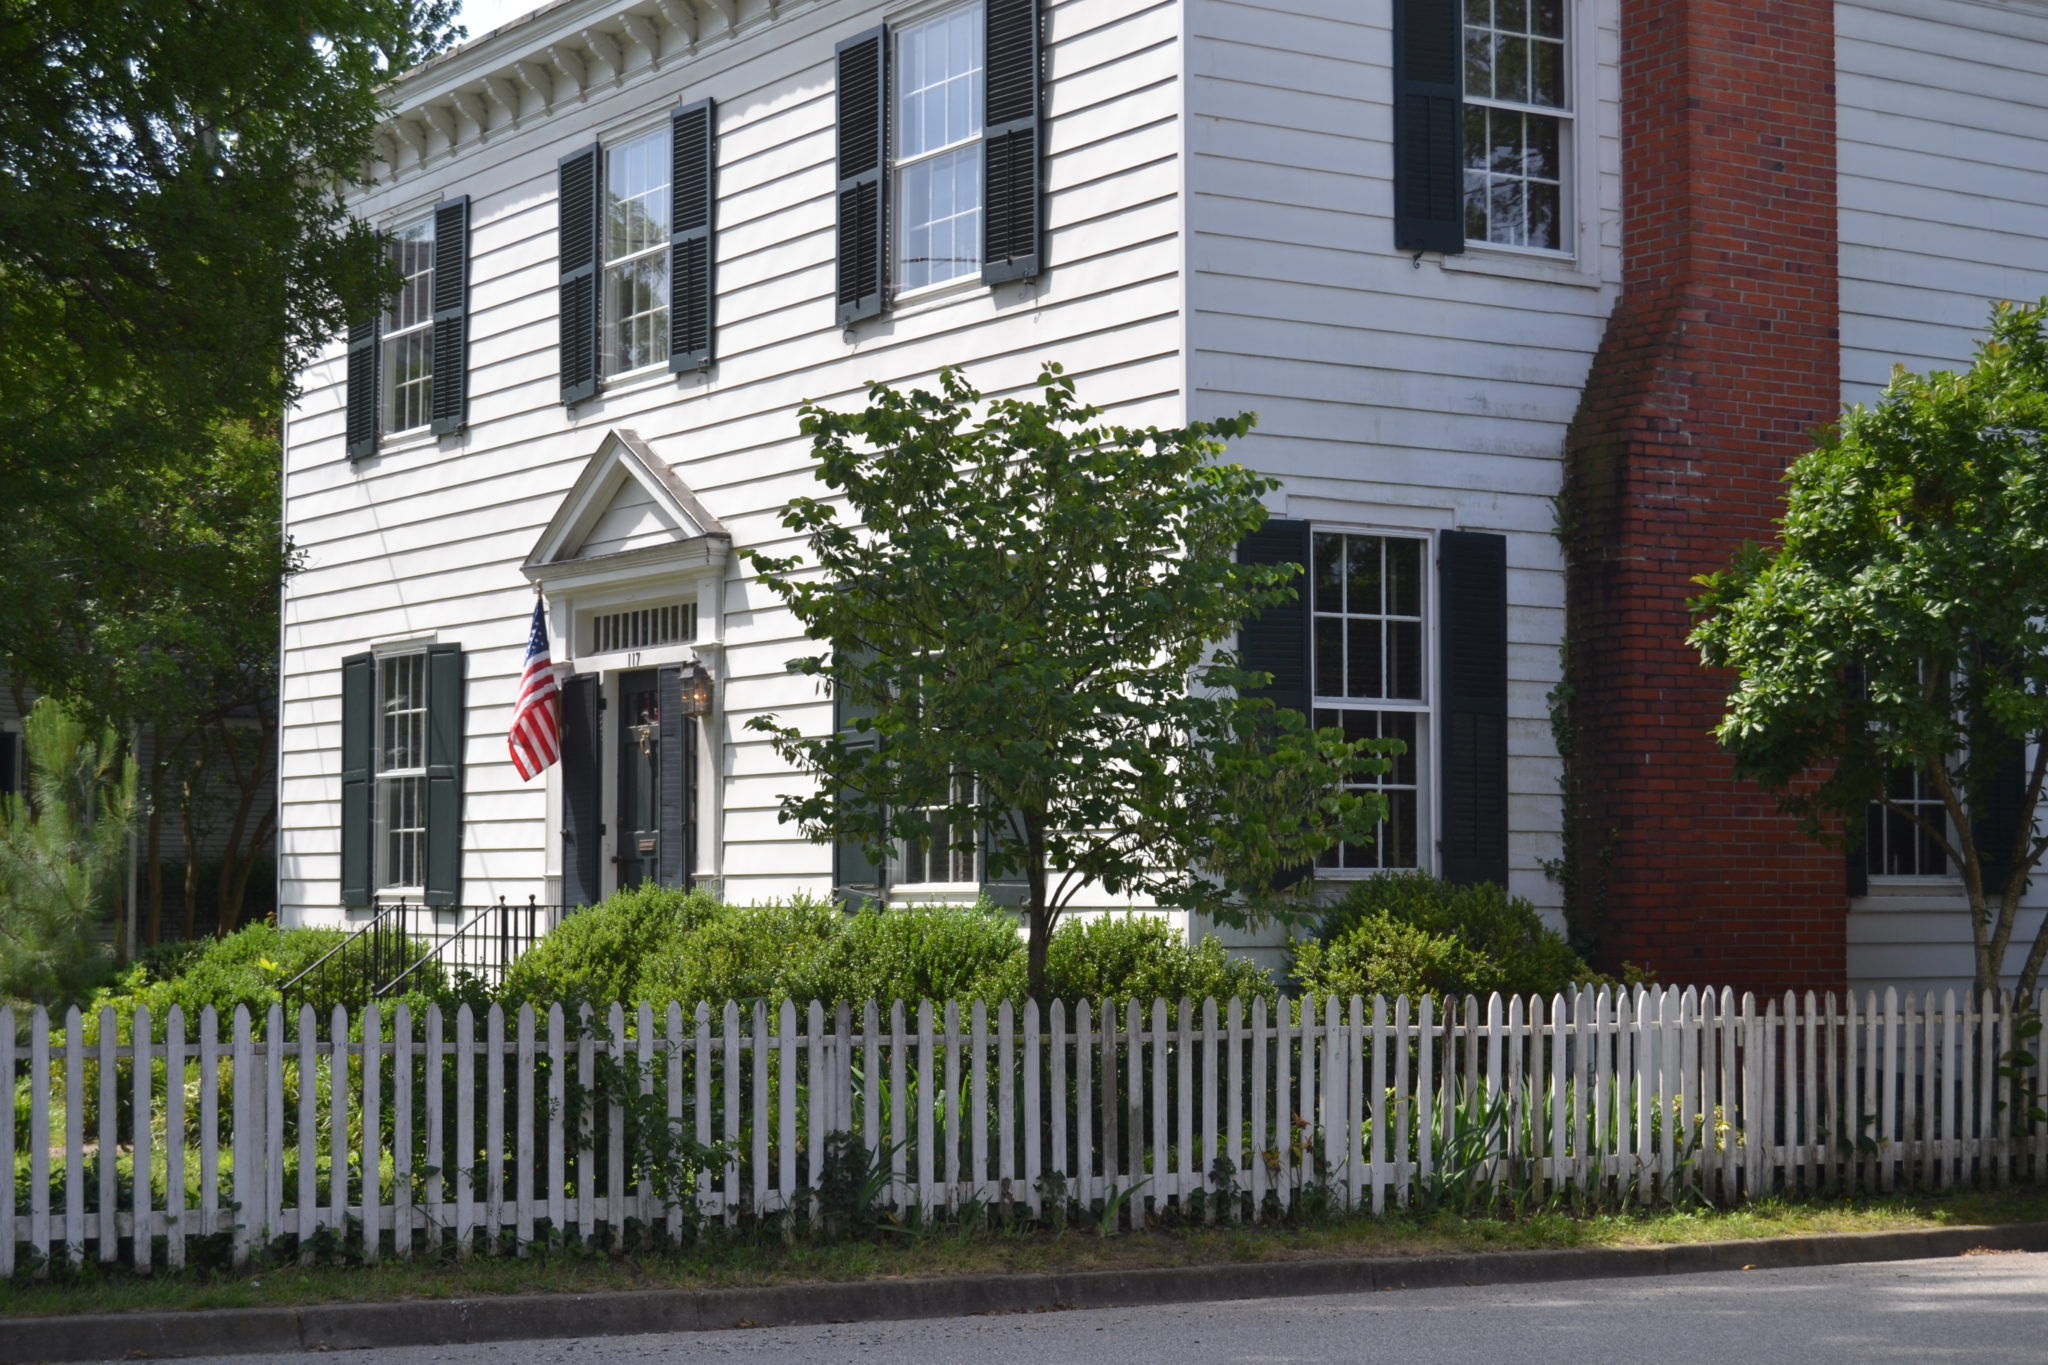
(597,955)
(1136,957)
(739,952)
(915,952)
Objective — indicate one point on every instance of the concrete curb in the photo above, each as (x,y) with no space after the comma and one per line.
(431,1322)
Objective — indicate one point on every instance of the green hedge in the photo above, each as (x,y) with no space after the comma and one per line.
(1135,957)
(740,952)
(1413,934)
(598,955)
(916,952)
(245,968)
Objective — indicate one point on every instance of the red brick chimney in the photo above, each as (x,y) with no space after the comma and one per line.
(1722,354)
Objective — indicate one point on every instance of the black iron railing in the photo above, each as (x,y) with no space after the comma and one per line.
(408,947)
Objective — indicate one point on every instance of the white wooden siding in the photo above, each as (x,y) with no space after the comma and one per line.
(1418,393)
(425,538)
(1943,142)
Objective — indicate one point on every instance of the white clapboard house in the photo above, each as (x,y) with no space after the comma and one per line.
(637,234)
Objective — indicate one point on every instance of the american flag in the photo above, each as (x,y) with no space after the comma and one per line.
(536,735)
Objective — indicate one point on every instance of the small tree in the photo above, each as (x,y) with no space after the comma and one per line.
(1023,612)
(63,850)
(1902,626)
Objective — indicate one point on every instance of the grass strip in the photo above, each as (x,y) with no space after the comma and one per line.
(722,1261)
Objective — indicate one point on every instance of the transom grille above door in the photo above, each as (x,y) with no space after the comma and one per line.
(644,627)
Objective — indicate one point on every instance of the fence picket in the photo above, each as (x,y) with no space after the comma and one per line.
(729,1101)
(977,1110)
(337,1124)
(1033,1168)
(464,1152)
(617,1054)
(1401,1171)
(1057,1160)
(140,1174)
(272,1054)
(558,1134)
(373,1122)
(1084,1104)
(899,1099)
(494,1127)
(402,1220)
(1163,1185)
(927,1149)
(823,1119)
(954,1100)
(175,1206)
(1109,1104)
(1376,1110)
(1142,1186)
(1184,1108)
(1212,1134)
(1006,1105)
(248,1171)
(1259,1109)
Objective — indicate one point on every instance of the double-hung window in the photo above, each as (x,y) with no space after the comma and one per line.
(936,859)
(1893,844)
(401,773)
(636,258)
(1517,122)
(1367,606)
(407,343)
(938,158)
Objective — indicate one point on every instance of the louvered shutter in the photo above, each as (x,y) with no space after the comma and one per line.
(582,796)
(445,724)
(362,387)
(1277,640)
(10,772)
(358,736)
(579,235)
(2001,803)
(451,315)
(677,784)
(855,876)
(692,244)
(1429,170)
(1012,189)
(863,105)
(1472,619)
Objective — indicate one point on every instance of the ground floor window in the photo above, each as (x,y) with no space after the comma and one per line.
(1893,844)
(935,858)
(401,775)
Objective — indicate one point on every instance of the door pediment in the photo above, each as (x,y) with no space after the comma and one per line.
(627,513)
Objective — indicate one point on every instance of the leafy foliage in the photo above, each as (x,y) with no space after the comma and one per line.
(63,850)
(1903,622)
(914,952)
(1138,957)
(244,968)
(1033,599)
(599,954)
(740,952)
(1414,934)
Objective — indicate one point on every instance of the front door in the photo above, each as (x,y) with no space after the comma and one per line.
(637,852)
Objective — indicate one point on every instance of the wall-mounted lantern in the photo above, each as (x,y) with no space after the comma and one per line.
(696,698)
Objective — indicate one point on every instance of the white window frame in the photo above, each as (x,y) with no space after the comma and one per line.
(385,781)
(1423,708)
(417,334)
(611,268)
(900,863)
(1565,114)
(1927,801)
(900,163)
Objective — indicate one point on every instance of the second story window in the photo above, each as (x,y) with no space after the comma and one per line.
(1517,122)
(636,254)
(408,332)
(938,126)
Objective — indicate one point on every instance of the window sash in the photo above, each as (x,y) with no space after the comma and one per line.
(635,254)
(934,247)
(406,345)
(938,863)
(399,757)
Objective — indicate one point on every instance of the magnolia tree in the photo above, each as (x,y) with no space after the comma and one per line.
(1023,610)
(1897,641)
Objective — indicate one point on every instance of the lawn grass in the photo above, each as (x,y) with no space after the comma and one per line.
(762,1259)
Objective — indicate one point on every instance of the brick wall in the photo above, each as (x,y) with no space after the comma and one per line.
(1721,354)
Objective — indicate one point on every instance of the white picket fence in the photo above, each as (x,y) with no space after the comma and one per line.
(414,1132)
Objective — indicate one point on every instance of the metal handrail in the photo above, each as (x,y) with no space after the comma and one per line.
(290,988)
(394,948)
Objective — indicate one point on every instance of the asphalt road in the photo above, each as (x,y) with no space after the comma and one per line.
(1989,1308)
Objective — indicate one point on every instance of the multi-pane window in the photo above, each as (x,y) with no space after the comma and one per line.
(401,773)
(408,332)
(1366,599)
(934,858)
(636,218)
(938,148)
(1517,122)
(1893,845)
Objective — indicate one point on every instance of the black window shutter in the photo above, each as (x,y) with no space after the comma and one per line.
(863,111)
(358,735)
(678,760)
(1857,864)
(1011,187)
(1995,826)
(445,723)
(1472,623)
(579,234)
(693,225)
(855,876)
(1429,169)
(582,798)
(362,387)
(451,315)
(1276,641)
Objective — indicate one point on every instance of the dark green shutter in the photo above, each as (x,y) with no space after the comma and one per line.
(855,876)
(1997,811)
(582,796)
(1278,641)
(445,723)
(1472,622)
(362,388)
(358,739)
(677,785)
(692,242)
(863,123)
(1429,170)
(451,315)
(1012,191)
(579,235)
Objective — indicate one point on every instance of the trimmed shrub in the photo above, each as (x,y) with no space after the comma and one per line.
(598,955)
(245,968)
(1414,934)
(915,952)
(1135,957)
(740,952)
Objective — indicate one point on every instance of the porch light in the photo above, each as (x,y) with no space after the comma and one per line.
(696,699)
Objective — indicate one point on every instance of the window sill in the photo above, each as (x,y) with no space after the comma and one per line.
(918,893)
(911,302)
(404,442)
(632,381)
(1481,258)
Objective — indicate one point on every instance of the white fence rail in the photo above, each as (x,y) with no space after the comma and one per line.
(129,1138)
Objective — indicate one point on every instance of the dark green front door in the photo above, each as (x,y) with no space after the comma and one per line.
(639,768)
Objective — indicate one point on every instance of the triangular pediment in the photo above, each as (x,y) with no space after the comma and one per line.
(627,501)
